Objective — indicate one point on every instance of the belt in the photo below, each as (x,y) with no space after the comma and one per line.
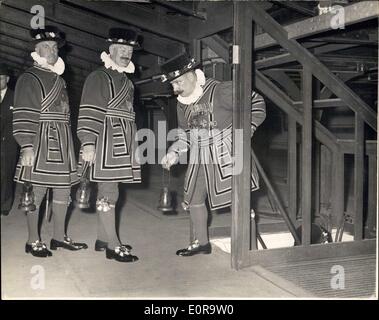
(54,116)
(123,114)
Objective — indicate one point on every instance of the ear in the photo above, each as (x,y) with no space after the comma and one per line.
(7,79)
(37,48)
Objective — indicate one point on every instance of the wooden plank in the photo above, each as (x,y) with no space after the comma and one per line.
(310,253)
(84,29)
(297,7)
(292,169)
(338,187)
(219,17)
(275,197)
(358,177)
(286,104)
(347,146)
(323,103)
(326,180)
(285,82)
(372,195)
(317,68)
(285,58)
(354,13)
(241,184)
(141,16)
(22,19)
(182,9)
(218,45)
(306,177)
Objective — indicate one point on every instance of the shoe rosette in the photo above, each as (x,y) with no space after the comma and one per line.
(38,246)
(122,251)
(103,205)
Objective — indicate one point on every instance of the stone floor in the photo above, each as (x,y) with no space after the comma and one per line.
(159,273)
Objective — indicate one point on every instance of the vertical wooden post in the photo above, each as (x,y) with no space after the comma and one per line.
(372,195)
(325,180)
(306,200)
(242,68)
(358,177)
(316,175)
(292,169)
(196,49)
(338,187)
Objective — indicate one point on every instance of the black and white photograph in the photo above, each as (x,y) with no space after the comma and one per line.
(214,151)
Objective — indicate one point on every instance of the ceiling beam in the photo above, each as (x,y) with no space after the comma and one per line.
(140,16)
(181,9)
(219,18)
(318,69)
(281,59)
(82,28)
(297,7)
(354,13)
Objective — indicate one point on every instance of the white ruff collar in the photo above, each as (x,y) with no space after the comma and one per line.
(57,68)
(198,92)
(110,64)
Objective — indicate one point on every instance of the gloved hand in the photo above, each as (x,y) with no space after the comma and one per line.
(27,157)
(88,153)
(169,160)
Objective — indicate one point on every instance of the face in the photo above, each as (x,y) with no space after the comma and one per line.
(185,84)
(48,50)
(121,54)
(4,79)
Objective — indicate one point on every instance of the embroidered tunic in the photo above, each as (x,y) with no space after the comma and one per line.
(210,144)
(41,119)
(107,121)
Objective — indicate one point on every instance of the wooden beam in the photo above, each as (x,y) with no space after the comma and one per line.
(317,68)
(280,256)
(306,177)
(292,169)
(338,187)
(323,103)
(286,104)
(372,194)
(79,25)
(22,19)
(219,18)
(154,89)
(218,45)
(181,9)
(285,58)
(358,177)
(242,229)
(296,7)
(285,82)
(281,209)
(141,16)
(354,13)
(348,146)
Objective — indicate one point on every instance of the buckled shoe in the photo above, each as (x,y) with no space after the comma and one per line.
(195,248)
